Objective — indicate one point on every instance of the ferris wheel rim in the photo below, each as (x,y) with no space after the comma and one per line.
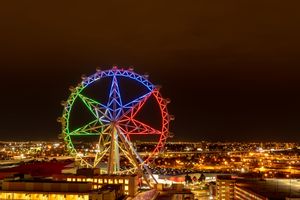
(86,82)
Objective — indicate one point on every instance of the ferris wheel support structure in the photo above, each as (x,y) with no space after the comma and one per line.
(115,122)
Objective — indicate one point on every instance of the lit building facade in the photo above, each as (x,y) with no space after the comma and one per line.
(25,195)
(45,190)
(58,190)
(225,187)
(129,182)
(241,193)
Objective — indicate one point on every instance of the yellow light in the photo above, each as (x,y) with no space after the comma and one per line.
(262,169)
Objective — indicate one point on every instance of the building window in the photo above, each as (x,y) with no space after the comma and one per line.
(89,180)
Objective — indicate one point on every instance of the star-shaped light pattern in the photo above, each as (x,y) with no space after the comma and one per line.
(115,121)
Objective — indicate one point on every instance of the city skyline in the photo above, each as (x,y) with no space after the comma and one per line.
(231,73)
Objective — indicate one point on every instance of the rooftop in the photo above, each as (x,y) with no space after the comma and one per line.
(272,188)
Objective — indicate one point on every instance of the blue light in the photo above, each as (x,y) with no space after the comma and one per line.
(115,108)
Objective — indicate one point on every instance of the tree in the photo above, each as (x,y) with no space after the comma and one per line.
(188,179)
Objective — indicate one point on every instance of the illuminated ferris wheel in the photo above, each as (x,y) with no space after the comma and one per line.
(114,120)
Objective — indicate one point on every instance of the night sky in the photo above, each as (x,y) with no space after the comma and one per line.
(231,69)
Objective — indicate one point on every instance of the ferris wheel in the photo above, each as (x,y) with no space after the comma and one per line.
(114,122)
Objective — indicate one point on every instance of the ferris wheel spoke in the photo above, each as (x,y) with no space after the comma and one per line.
(99,155)
(92,128)
(95,108)
(103,145)
(114,100)
(126,153)
(103,139)
(135,127)
(136,159)
(133,107)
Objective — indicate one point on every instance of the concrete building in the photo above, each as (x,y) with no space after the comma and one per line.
(256,189)
(45,190)
(272,188)
(25,195)
(128,182)
(58,190)
(241,193)
(225,187)
(108,192)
